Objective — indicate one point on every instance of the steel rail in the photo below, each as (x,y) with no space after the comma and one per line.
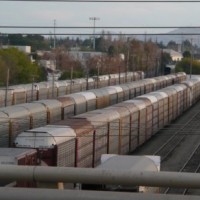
(186,165)
(172,142)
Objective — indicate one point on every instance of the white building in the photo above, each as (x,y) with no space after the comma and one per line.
(82,56)
(25,49)
(49,64)
(176,56)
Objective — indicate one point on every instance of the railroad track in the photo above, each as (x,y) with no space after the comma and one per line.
(177,135)
(178,145)
(191,126)
(191,165)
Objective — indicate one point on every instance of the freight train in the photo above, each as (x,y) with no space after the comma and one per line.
(118,129)
(44,90)
(17,118)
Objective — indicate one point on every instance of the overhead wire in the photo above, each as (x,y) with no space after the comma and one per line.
(102,33)
(109,1)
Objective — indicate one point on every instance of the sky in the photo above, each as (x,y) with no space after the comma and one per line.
(24,13)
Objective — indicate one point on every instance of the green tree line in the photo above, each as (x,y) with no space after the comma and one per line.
(21,68)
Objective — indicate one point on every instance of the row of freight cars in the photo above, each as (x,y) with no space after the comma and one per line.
(44,90)
(118,129)
(17,118)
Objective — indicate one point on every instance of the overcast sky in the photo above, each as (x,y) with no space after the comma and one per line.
(111,14)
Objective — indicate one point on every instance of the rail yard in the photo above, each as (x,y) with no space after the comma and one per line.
(163,122)
(178,145)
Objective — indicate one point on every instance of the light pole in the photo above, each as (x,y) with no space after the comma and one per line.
(54,33)
(7,85)
(54,47)
(127,59)
(191,61)
(94,19)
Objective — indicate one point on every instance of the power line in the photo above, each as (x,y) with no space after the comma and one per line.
(96,27)
(102,27)
(114,34)
(106,1)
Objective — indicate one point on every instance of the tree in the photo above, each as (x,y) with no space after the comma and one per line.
(185,66)
(112,51)
(64,62)
(186,54)
(21,68)
(35,41)
(172,45)
(165,59)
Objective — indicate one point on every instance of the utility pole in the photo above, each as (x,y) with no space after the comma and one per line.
(94,19)
(191,60)
(7,84)
(54,46)
(127,60)
(54,33)
(71,77)
(87,77)
(33,79)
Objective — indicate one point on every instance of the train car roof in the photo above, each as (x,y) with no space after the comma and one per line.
(79,126)
(3,117)
(149,96)
(49,103)
(33,107)
(129,105)
(139,103)
(89,95)
(15,111)
(117,88)
(12,152)
(96,119)
(159,94)
(77,98)
(45,137)
(132,163)
(111,90)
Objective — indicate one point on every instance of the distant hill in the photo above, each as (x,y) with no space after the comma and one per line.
(182,34)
